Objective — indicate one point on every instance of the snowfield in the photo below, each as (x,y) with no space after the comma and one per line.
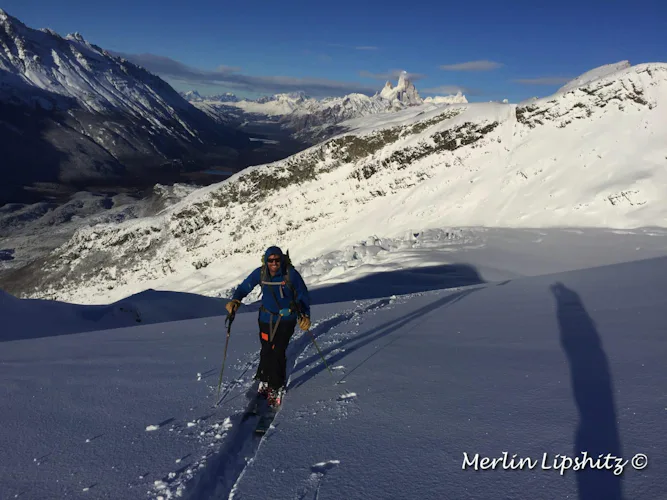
(488,291)
(432,366)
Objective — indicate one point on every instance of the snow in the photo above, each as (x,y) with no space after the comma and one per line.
(292,107)
(272,108)
(590,158)
(458,98)
(499,305)
(432,369)
(595,74)
(405,91)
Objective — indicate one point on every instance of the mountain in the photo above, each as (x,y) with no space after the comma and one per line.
(194,96)
(313,120)
(72,114)
(405,92)
(590,156)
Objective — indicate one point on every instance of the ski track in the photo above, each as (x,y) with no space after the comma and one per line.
(224,471)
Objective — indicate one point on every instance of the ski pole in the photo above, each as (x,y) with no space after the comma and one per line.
(228,321)
(312,337)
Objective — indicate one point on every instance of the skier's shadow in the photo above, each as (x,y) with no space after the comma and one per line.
(597,433)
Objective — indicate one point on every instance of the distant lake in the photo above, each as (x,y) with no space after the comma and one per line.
(265,141)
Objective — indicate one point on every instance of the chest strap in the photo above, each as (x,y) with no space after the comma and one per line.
(278,283)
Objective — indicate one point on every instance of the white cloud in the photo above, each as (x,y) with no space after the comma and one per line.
(391,75)
(445,90)
(483,65)
(230,78)
(353,47)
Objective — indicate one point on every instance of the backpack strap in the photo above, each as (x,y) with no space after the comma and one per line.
(265,281)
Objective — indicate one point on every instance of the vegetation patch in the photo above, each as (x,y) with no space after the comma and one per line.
(447,140)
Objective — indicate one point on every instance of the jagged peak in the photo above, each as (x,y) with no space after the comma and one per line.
(9,21)
(51,32)
(76,36)
(4,17)
(405,91)
(403,79)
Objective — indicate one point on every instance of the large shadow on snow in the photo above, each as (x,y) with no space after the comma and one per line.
(597,433)
(350,345)
(388,283)
(35,318)
(384,284)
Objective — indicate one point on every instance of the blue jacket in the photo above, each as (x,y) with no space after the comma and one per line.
(287,296)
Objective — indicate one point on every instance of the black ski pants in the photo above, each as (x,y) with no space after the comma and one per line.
(272,359)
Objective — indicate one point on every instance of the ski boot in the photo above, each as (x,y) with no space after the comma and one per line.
(263,390)
(275,397)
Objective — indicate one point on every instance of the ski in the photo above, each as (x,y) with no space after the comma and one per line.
(265,421)
(267,416)
(255,409)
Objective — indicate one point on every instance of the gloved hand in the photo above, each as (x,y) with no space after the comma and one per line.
(304,323)
(232,306)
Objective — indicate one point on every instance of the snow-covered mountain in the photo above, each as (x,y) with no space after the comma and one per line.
(317,119)
(590,156)
(194,96)
(72,113)
(405,92)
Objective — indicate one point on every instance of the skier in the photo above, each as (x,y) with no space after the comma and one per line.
(286,302)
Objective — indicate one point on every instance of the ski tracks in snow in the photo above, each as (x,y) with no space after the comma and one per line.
(224,471)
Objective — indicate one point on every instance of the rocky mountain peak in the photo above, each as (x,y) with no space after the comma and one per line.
(405,92)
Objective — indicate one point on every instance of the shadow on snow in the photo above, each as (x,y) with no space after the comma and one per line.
(352,344)
(597,433)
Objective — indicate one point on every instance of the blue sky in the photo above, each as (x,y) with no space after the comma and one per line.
(490,50)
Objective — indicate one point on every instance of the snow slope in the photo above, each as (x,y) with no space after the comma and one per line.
(425,370)
(595,74)
(590,157)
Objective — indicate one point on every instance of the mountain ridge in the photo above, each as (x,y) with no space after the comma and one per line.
(425,167)
(314,120)
(73,114)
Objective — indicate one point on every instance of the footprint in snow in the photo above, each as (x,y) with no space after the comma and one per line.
(349,395)
(311,489)
(150,428)
(323,467)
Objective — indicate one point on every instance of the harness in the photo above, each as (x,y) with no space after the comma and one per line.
(285,311)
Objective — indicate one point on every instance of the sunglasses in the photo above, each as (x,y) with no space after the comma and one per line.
(273,261)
